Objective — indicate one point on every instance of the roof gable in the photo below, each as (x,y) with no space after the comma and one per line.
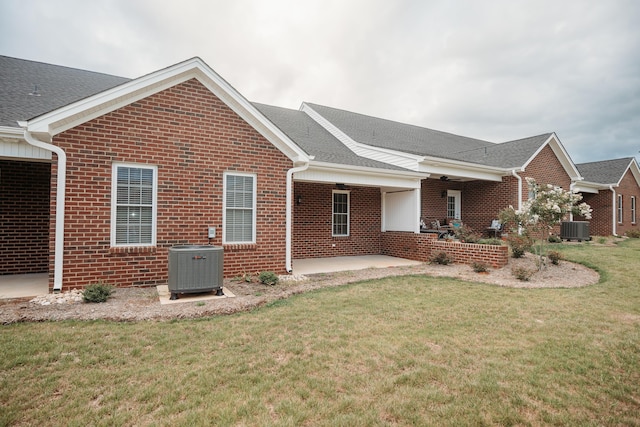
(609,172)
(58,120)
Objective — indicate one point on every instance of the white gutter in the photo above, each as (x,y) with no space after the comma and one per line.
(614,216)
(519,178)
(289,204)
(60,195)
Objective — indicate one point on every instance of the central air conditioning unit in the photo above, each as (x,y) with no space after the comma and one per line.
(575,230)
(195,269)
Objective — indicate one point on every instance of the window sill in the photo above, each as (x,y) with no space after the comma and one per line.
(132,249)
(237,247)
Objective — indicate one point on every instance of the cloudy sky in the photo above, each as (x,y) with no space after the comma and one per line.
(491,69)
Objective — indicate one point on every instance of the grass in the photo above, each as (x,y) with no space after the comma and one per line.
(397,351)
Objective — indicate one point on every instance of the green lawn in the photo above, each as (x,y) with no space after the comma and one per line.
(397,351)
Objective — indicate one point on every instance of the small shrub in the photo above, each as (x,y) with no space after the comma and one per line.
(268,278)
(523,273)
(554,239)
(97,292)
(466,234)
(634,233)
(602,240)
(520,244)
(554,257)
(441,258)
(480,267)
(491,241)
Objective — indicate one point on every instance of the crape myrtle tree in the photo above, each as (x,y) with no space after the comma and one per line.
(541,213)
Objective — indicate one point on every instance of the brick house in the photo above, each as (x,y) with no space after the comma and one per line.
(612,189)
(101,175)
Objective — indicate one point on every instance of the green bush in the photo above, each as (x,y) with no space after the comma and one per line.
(269,278)
(480,267)
(520,244)
(523,273)
(554,239)
(554,257)
(491,241)
(466,234)
(441,258)
(634,233)
(97,292)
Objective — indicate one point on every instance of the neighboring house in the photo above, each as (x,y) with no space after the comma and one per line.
(101,175)
(612,189)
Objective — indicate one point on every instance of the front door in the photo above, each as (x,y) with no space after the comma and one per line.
(453,203)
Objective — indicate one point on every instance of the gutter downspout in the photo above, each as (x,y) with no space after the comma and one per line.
(289,220)
(613,213)
(519,178)
(60,195)
(571,186)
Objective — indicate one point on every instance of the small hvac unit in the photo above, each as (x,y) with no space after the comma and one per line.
(574,230)
(195,269)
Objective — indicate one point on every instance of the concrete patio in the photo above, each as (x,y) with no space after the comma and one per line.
(346,263)
(24,285)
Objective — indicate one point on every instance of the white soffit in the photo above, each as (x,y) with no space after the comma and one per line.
(326,173)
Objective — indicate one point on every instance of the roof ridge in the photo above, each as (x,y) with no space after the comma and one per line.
(630,159)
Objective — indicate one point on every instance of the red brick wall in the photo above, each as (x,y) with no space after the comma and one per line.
(193,138)
(24,217)
(628,187)
(485,199)
(545,169)
(420,247)
(600,223)
(312,221)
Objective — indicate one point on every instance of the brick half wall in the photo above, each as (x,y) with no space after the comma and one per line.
(419,247)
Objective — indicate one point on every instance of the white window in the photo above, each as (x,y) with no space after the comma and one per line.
(453,204)
(239,208)
(620,208)
(633,209)
(133,205)
(340,223)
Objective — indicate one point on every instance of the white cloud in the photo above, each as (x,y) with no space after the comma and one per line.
(495,70)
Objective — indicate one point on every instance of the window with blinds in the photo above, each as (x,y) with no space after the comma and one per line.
(340,213)
(134,210)
(239,208)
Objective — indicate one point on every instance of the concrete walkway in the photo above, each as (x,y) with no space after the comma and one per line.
(346,263)
(24,285)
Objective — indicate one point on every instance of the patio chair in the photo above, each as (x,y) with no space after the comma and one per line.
(495,228)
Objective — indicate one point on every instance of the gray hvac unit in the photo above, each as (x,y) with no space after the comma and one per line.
(574,230)
(195,269)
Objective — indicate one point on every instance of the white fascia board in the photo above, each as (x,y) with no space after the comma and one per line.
(635,171)
(438,166)
(561,154)
(353,175)
(97,105)
(7,132)
(385,155)
(590,187)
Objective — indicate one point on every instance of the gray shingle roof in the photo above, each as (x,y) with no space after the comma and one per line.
(55,86)
(397,136)
(315,140)
(606,171)
(506,155)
